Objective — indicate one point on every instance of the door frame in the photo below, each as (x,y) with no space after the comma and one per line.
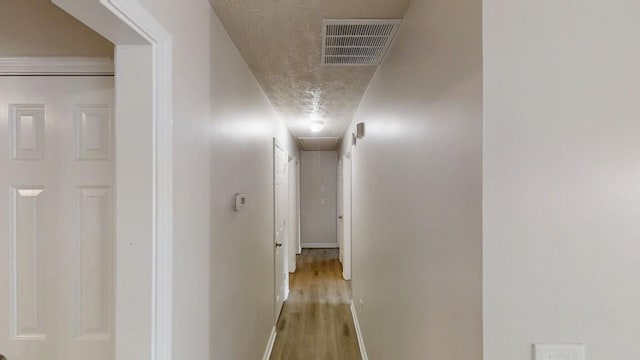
(293,238)
(143,119)
(347,206)
(298,234)
(340,212)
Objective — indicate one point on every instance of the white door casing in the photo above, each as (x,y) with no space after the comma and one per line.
(280,201)
(292,215)
(340,212)
(298,241)
(346,214)
(57,253)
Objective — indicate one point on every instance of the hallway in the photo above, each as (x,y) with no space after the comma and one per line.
(316,322)
(463,177)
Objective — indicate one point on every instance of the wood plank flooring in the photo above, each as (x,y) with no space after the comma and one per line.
(316,323)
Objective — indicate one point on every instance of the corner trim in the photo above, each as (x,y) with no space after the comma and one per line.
(356,324)
(319,246)
(39,65)
(272,340)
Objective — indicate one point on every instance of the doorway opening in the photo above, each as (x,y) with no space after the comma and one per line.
(318,307)
(141,157)
(57,257)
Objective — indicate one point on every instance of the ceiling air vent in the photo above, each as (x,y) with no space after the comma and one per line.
(357,42)
(318,143)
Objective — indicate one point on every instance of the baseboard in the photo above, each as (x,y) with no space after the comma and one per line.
(356,324)
(319,246)
(272,340)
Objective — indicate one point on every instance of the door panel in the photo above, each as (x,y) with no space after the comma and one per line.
(281,228)
(56,218)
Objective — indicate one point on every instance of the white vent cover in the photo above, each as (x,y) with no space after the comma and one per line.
(318,143)
(357,42)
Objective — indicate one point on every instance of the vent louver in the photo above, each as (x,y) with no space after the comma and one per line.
(356,42)
(318,143)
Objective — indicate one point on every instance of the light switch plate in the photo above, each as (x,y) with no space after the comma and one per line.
(558,352)
(239,201)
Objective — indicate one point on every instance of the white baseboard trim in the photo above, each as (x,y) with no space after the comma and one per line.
(272,340)
(319,246)
(363,350)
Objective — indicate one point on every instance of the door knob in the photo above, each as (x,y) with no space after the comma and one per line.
(2,357)
(278,244)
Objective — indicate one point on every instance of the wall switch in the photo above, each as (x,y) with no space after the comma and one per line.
(558,352)
(239,201)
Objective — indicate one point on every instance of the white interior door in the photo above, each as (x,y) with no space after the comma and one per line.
(56,218)
(346,216)
(281,190)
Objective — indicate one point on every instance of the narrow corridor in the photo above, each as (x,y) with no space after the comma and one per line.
(316,322)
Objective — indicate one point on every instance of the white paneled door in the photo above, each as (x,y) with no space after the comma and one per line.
(280,161)
(56,218)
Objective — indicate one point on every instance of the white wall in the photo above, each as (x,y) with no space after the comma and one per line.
(318,198)
(39,28)
(417,245)
(224,125)
(242,243)
(561,176)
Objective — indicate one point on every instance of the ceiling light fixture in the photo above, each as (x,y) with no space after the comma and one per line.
(316,126)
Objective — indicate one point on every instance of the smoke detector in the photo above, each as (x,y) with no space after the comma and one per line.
(357,42)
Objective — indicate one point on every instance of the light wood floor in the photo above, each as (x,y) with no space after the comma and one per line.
(316,323)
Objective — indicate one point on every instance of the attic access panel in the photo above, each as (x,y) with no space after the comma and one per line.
(357,42)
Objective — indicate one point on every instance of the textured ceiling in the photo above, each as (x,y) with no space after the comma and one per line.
(281,41)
